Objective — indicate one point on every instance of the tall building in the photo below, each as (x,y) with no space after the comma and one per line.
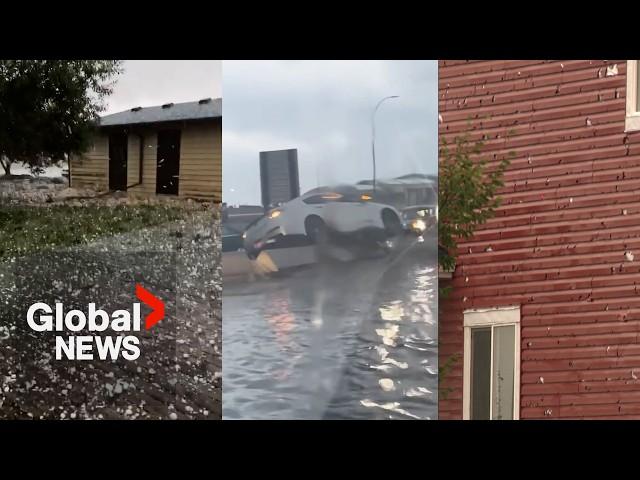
(279,178)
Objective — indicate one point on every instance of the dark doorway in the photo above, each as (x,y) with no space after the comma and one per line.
(118,161)
(168,171)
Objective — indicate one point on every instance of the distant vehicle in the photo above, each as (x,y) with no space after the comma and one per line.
(415,195)
(235,220)
(231,239)
(420,218)
(321,214)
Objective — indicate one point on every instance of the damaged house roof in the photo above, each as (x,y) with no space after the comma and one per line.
(169,112)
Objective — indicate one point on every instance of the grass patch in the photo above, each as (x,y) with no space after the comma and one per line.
(24,230)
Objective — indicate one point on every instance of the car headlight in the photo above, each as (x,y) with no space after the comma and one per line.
(244,235)
(419,225)
(275,214)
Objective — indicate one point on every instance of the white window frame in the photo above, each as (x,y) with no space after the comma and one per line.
(632,117)
(490,317)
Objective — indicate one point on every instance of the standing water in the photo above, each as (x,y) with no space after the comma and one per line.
(353,340)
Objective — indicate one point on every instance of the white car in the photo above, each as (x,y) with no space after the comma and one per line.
(322,213)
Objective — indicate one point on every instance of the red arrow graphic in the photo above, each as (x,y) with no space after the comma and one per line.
(154,302)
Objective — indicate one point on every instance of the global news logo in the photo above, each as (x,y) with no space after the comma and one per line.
(41,317)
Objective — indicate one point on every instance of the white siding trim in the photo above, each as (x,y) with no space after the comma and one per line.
(490,317)
(632,117)
(516,375)
(466,375)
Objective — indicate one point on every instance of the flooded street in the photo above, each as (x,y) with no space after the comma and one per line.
(352,340)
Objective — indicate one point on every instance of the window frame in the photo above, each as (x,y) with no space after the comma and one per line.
(632,116)
(490,317)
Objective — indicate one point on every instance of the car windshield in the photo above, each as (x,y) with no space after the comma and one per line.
(338,193)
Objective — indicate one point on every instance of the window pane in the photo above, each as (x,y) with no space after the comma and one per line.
(480,373)
(503,371)
(315,200)
(638,86)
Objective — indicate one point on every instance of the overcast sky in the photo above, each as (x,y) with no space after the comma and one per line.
(323,108)
(145,83)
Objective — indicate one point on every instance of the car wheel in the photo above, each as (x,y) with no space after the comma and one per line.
(391,222)
(315,229)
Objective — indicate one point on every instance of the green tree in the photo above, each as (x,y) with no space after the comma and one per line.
(49,108)
(467,196)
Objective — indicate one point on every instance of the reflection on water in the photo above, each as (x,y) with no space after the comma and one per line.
(404,358)
(343,340)
(278,314)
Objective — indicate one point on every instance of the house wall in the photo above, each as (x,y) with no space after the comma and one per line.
(149,165)
(133,160)
(92,168)
(565,244)
(200,162)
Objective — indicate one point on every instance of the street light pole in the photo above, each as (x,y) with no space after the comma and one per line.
(373,137)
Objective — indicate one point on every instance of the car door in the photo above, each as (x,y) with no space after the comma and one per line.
(323,205)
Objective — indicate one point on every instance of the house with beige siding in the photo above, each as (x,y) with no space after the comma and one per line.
(170,149)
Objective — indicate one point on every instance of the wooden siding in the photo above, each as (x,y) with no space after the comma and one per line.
(133,160)
(565,244)
(149,165)
(92,168)
(201,161)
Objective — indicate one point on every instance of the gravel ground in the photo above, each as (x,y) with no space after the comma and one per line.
(178,375)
